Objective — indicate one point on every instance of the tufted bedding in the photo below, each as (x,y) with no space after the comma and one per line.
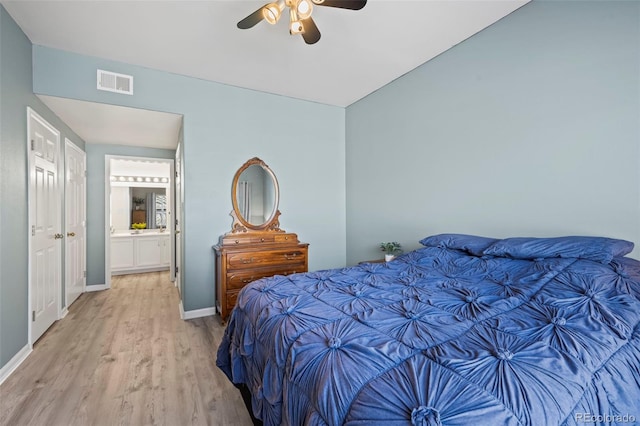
(464,331)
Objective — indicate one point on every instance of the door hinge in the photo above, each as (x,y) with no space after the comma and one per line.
(176,174)
(176,223)
(177,270)
(33,145)
(84,274)
(33,230)
(33,316)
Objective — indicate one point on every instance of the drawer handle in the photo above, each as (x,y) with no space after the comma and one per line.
(247,280)
(262,240)
(290,256)
(246,261)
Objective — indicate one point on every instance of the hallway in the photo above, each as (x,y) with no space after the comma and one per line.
(124,357)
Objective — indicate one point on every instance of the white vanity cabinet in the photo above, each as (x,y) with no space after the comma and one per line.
(122,253)
(144,252)
(147,251)
(165,251)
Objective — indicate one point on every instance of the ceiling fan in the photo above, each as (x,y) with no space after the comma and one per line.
(300,20)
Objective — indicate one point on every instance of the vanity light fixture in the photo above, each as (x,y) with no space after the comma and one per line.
(140,179)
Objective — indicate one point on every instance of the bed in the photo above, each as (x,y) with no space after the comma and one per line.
(465,330)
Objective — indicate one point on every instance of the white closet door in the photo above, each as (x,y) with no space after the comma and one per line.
(75,214)
(44,218)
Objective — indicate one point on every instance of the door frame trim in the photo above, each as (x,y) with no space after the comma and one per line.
(70,145)
(107,210)
(178,206)
(32,114)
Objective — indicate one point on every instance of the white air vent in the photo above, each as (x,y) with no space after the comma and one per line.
(114,82)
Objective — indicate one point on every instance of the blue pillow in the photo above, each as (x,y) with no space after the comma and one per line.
(599,249)
(472,244)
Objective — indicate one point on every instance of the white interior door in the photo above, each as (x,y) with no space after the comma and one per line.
(75,221)
(44,220)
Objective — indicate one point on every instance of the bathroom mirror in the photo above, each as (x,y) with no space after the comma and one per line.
(147,208)
(149,205)
(255,196)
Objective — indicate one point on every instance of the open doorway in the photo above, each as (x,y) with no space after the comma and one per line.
(139,216)
(100,126)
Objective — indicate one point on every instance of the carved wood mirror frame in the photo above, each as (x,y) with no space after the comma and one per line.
(240,223)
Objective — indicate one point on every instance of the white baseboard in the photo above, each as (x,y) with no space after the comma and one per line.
(14,363)
(139,270)
(64,312)
(198,313)
(97,287)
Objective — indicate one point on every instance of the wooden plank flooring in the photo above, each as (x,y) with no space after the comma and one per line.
(124,357)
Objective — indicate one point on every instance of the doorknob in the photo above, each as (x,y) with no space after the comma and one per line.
(58,236)
(71,234)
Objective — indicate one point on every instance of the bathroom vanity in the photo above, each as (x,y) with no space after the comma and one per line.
(143,251)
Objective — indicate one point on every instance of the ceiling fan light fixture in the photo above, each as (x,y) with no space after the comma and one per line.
(304,9)
(300,20)
(295,26)
(272,12)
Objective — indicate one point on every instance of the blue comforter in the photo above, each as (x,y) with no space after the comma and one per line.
(442,337)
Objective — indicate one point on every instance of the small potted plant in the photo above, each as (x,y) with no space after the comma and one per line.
(138,201)
(390,250)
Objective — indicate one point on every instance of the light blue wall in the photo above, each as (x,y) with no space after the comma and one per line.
(530,127)
(96,198)
(303,142)
(15,96)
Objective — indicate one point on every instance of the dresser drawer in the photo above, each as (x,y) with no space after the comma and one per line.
(237,280)
(242,258)
(256,259)
(265,239)
(232,298)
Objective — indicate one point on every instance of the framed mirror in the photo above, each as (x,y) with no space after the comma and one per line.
(255,196)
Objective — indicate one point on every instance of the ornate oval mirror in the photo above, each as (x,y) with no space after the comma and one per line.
(255,196)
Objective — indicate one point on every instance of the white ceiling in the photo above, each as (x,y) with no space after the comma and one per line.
(108,124)
(359,52)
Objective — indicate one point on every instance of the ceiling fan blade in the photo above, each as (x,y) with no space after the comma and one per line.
(311,32)
(344,4)
(251,20)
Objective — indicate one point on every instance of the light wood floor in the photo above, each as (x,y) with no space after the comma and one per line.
(124,357)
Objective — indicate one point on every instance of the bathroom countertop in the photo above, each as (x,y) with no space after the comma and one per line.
(141,233)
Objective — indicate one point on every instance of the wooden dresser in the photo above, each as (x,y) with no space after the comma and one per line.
(255,247)
(241,259)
